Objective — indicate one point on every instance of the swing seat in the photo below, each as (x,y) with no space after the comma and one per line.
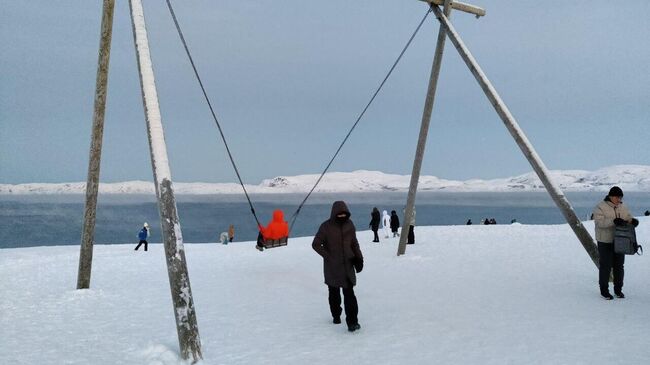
(271,243)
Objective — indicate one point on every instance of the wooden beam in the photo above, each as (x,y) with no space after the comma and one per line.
(520,138)
(92,182)
(179,281)
(424,133)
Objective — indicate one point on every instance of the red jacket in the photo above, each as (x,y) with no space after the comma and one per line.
(277,228)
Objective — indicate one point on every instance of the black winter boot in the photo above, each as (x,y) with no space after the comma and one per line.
(354,327)
(605,294)
(336,320)
(619,294)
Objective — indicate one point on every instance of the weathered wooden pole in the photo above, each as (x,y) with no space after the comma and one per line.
(424,132)
(92,182)
(179,281)
(522,141)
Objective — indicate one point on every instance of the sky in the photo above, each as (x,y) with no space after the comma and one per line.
(288,78)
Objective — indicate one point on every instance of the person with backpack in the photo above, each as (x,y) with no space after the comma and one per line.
(142,236)
(336,242)
(608,214)
(374,223)
(394,223)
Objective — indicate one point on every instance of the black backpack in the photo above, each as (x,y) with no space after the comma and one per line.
(625,241)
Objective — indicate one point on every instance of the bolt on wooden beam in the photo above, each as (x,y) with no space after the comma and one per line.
(457,5)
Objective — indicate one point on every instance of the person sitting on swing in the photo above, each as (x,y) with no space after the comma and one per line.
(277,229)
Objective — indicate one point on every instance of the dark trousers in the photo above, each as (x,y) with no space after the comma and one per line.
(376,239)
(610,260)
(350,303)
(411,236)
(140,243)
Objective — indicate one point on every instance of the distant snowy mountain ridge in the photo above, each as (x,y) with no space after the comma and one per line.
(628,177)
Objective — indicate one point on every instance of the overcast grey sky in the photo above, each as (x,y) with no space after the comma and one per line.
(289,77)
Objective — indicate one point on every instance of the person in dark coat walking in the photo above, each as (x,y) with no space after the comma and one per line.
(336,242)
(142,236)
(374,223)
(394,223)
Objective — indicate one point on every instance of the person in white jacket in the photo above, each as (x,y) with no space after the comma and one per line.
(385,223)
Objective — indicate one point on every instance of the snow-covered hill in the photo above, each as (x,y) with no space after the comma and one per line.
(504,294)
(628,177)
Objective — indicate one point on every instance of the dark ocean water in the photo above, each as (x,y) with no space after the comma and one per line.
(57,219)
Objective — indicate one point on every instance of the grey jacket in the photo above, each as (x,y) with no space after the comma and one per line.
(604,215)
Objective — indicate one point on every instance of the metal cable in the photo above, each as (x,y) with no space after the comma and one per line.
(214,116)
(295,215)
(223,138)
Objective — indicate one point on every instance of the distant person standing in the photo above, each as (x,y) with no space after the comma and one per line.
(394,223)
(410,239)
(607,215)
(385,223)
(223,237)
(374,223)
(231,233)
(336,242)
(469,222)
(143,235)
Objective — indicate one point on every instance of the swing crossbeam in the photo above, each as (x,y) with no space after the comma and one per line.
(457,5)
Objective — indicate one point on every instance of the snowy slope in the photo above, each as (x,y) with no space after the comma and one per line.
(504,294)
(629,177)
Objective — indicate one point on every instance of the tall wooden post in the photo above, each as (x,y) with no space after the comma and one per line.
(179,281)
(424,132)
(522,141)
(92,182)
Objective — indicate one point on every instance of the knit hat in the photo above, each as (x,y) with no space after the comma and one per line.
(615,191)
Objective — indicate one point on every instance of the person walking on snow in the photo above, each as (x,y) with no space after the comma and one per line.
(336,242)
(607,215)
(394,223)
(277,228)
(374,223)
(143,235)
(385,223)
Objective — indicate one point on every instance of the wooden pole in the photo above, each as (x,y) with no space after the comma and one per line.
(179,281)
(92,182)
(424,131)
(522,141)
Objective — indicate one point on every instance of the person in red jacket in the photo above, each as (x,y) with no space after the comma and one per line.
(276,229)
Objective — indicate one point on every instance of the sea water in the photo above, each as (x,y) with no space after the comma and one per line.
(46,220)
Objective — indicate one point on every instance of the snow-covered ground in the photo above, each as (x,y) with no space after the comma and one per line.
(628,177)
(504,294)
